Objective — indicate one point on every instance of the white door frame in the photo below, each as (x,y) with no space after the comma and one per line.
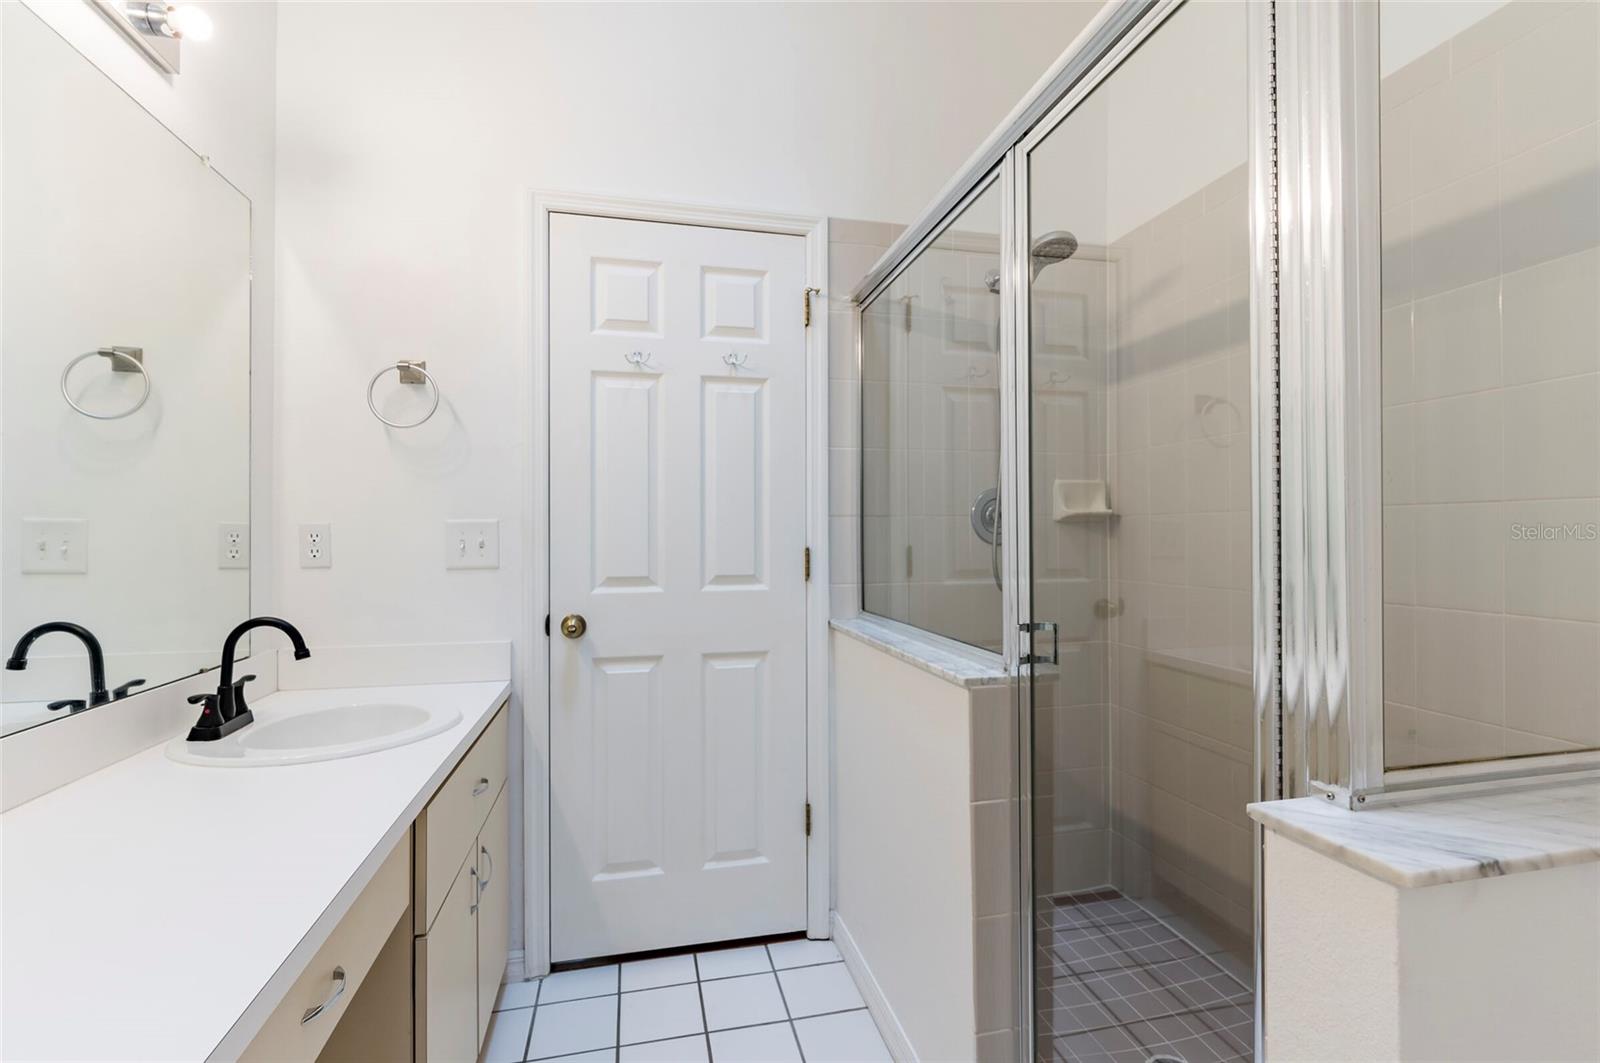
(535,534)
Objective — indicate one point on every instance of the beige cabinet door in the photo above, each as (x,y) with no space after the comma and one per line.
(447,976)
(494,908)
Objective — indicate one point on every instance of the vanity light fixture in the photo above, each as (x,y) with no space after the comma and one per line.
(157,28)
(178,21)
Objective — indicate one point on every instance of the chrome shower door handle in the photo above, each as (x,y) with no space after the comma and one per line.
(1040,626)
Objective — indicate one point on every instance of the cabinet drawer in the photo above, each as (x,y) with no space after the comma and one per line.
(448,828)
(288,1035)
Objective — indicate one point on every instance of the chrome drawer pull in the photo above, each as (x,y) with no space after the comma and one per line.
(483,784)
(338,991)
(477,891)
(483,883)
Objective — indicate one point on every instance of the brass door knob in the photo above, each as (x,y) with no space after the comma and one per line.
(573,626)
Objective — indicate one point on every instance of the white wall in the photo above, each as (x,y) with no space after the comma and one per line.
(410,136)
(222,105)
(903,842)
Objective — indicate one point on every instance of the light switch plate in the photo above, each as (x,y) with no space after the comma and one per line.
(55,545)
(316,546)
(233,545)
(472,544)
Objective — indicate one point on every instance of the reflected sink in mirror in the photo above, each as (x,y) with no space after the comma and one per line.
(318,734)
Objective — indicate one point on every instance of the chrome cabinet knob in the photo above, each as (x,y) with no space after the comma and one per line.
(573,626)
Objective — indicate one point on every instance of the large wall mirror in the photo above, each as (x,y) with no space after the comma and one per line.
(125,369)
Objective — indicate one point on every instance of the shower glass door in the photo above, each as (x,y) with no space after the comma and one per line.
(1137,457)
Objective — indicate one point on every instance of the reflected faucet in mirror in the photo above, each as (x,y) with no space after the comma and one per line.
(225,711)
(98,694)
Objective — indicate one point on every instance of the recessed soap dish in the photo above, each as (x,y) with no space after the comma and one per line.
(1072,500)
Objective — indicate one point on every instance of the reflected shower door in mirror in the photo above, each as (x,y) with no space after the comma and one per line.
(930,420)
(1490,187)
(1138,361)
(125,354)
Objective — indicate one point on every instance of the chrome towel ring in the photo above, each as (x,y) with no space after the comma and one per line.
(123,360)
(415,373)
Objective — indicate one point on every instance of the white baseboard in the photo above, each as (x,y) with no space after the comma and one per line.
(894,1035)
(516,966)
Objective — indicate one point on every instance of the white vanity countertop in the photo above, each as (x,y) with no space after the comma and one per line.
(1450,839)
(156,910)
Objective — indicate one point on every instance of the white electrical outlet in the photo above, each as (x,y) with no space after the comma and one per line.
(55,546)
(316,546)
(471,544)
(233,545)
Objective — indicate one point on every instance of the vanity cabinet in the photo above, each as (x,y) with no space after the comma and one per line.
(461,902)
(447,976)
(413,969)
(494,908)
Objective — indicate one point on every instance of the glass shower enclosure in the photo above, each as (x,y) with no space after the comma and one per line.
(1058,404)
(1282,479)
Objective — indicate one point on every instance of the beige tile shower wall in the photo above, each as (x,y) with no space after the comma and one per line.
(1180,558)
(853,248)
(1491,390)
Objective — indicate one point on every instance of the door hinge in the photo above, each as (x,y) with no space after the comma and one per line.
(808,819)
(808,564)
(808,294)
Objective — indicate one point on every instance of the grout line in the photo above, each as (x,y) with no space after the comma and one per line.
(705,1023)
(794,1031)
(527,1043)
(674,985)
(685,1036)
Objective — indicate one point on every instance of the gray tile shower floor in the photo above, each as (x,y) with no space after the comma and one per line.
(1118,984)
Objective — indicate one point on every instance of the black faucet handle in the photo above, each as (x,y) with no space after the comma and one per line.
(121,692)
(239,707)
(70,704)
(210,700)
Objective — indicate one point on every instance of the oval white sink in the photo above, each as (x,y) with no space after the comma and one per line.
(320,734)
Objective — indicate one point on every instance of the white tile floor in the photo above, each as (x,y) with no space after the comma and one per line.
(787,1002)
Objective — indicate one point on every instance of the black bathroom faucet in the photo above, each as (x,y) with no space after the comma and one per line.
(225,711)
(98,694)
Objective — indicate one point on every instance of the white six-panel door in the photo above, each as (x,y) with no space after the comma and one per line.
(677,531)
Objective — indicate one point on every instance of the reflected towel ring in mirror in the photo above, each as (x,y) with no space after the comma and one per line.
(414,373)
(123,360)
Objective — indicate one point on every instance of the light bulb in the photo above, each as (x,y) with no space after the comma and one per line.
(189,22)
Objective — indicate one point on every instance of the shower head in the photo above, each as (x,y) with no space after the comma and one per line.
(1052,247)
